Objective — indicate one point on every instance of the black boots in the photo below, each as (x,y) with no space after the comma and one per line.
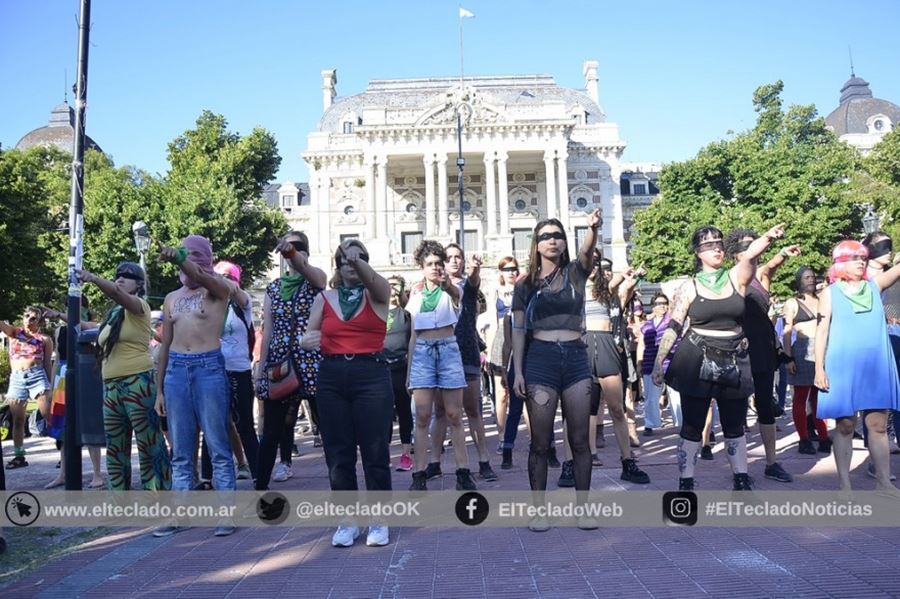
(506,464)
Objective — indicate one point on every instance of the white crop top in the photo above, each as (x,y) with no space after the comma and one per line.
(446,314)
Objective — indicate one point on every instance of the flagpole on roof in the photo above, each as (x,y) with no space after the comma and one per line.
(460,161)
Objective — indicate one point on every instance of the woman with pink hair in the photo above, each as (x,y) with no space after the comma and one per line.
(855,370)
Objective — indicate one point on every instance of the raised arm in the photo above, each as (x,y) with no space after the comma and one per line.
(745,268)
(586,251)
(683,298)
(888,277)
(629,283)
(377,286)
(764,273)
(130,302)
(7,329)
(822,330)
(300,262)
(475,271)
(219,287)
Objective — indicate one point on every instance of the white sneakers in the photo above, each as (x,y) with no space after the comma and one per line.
(282,472)
(345,536)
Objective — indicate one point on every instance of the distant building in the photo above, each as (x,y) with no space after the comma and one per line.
(59,132)
(862,120)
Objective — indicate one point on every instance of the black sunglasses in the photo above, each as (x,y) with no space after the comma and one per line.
(559,235)
(660,303)
(510,269)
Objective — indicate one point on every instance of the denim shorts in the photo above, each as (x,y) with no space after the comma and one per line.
(436,364)
(27,384)
(556,365)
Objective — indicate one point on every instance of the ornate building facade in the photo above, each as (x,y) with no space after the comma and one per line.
(383,166)
(861,119)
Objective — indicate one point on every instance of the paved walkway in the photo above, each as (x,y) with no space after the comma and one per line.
(493,562)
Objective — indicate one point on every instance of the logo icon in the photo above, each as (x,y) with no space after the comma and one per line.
(680,508)
(272,508)
(472,508)
(22,508)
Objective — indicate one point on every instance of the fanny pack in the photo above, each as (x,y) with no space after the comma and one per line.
(719,365)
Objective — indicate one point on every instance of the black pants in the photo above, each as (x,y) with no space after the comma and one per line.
(764,396)
(732,414)
(279,418)
(356,410)
(402,403)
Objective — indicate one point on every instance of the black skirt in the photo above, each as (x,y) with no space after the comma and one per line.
(605,357)
(683,374)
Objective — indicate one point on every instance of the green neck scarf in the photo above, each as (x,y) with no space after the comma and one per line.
(392,314)
(350,299)
(290,284)
(430,298)
(860,299)
(714,281)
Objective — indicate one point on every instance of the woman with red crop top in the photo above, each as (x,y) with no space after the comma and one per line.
(30,358)
(549,303)
(712,360)
(348,324)
(436,372)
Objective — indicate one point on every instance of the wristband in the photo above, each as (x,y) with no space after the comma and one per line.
(783,253)
(181,254)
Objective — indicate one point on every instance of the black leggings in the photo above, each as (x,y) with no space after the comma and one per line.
(279,419)
(402,403)
(732,414)
(576,406)
(764,396)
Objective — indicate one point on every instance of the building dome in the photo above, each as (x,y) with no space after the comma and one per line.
(861,113)
(59,132)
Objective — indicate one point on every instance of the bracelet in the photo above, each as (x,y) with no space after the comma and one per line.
(181,255)
(783,253)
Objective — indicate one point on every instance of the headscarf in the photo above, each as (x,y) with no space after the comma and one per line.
(201,245)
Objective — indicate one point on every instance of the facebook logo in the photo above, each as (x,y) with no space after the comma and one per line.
(472,509)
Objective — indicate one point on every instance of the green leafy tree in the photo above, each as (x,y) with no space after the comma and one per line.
(788,168)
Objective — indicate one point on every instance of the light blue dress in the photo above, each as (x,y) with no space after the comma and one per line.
(859,361)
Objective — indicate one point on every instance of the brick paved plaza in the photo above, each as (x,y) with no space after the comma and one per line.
(491,562)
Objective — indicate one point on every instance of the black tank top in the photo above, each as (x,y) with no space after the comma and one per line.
(723,314)
(804,314)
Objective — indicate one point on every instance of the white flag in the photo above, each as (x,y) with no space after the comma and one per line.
(463,13)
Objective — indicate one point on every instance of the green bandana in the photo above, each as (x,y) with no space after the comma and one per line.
(714,281)
(350,299)
(860,299)
(289,285)
(430,299)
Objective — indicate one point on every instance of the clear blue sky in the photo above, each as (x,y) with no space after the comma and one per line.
(673,75)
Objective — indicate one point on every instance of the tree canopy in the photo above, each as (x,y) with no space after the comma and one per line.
(213,188)
(788,168)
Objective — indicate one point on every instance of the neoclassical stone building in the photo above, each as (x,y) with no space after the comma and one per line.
(383,166)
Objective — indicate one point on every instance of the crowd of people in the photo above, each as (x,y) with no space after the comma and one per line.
(359,351)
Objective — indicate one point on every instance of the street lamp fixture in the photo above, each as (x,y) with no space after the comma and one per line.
(870,221)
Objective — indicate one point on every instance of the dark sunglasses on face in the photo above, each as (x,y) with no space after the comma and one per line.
(660,303)
(708,246)
(510,269)
(558,235)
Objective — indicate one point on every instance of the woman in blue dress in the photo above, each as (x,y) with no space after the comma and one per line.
(855,370)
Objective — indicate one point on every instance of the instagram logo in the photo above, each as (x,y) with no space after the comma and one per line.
(680,508)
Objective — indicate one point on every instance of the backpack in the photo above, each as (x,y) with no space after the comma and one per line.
(251,332)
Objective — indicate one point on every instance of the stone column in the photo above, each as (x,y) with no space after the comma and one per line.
(429,196)
(371,210)
(490,194)
(443,203)
(563,181)
(381,221)
(617,222)
(549,168)
(503,183)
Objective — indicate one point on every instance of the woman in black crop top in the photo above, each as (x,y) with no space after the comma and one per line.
(713,300)
(549,303)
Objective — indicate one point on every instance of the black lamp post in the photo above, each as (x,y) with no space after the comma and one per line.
(142,243)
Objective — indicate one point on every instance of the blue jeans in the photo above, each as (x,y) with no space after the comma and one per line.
(197,392)
(436,364)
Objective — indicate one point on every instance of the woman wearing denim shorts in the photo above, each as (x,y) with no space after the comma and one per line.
(30,357)
(549,304)
(435,364)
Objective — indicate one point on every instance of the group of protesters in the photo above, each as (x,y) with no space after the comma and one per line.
(359,350)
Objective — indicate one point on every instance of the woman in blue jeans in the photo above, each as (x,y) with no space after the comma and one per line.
(549,304)
(348,323)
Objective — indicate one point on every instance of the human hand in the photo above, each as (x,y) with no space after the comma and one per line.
(85,276)
(791,251)
(791,368)
(160,405)
(657,375)
(595,219)
(311,340)
(519,386)
(776,232)
(167,254)
(821,380)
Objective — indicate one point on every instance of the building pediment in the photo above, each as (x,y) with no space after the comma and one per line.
(476,110)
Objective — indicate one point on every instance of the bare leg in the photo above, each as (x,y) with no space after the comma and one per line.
(843,450)
(707,427)
(438,428)
(97,477)
(502,394)
(17,411)
(452,400)
(611,388)
(236,445)
(424,399)
(880,451)
(767,432)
